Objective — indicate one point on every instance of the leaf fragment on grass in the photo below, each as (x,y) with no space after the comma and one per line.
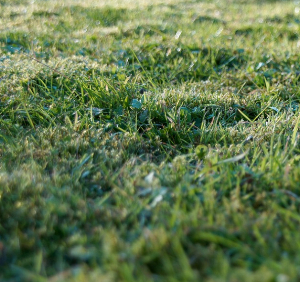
(149,178)
(274,109)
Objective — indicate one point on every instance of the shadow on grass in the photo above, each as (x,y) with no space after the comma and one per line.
(13,2)
(269,31)
(178,63)
(106,16)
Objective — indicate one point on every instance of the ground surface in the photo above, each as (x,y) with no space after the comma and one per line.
(149,140)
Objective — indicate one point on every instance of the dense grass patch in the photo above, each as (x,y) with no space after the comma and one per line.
(149,141)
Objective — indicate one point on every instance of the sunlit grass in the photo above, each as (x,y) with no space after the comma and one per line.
(149,141)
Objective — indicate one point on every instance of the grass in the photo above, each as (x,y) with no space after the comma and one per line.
(149,141)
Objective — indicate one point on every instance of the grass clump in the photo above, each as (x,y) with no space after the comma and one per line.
(149,141)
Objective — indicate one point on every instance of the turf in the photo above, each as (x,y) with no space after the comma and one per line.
(149,140)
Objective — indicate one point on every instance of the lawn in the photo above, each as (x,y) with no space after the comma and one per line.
(149,140)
